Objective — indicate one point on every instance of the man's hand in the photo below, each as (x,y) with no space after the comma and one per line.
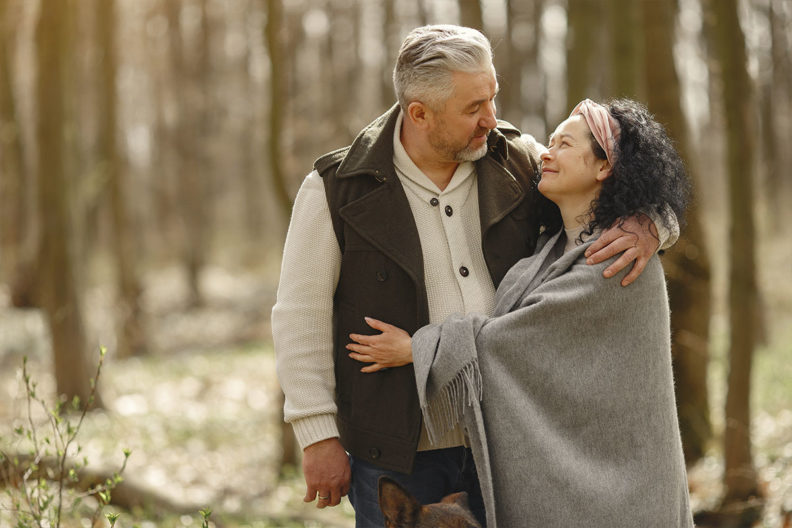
(327,472)
(636,239)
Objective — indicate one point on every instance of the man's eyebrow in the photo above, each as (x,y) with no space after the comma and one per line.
(479,101)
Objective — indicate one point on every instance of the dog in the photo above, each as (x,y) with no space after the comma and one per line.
(402,510)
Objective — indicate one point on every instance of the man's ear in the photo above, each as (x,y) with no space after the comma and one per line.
(418,114)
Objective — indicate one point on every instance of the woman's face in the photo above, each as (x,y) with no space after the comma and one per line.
(571,174)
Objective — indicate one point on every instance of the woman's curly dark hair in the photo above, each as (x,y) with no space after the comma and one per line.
(648,175)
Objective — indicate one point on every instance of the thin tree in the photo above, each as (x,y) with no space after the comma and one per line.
(581,48)
(470,14)
(687,263)
(59,293)
(17,232)
(626,47)
(130,335)
(390,48)
(740,479)
(277,102)
(187,132)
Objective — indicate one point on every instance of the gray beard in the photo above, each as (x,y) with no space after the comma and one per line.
(469,154)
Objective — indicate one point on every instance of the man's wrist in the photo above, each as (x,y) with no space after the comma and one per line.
(313,429)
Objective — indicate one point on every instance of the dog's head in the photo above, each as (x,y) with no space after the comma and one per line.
(402,510)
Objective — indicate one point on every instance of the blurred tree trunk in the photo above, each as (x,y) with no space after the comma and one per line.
(187,132)
(509,64)
(58,285)
(251,175)
(391,48)
(740,479)
(776,101)
(687,263)
(277,102)
(470,14)
(17,231)
(627,47)
(130,335)
(581,49)
(423,13)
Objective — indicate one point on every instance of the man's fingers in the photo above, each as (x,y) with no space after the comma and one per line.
(619,264)
(604,239)
(374,367)
(636,270)
(310,494)
(618,246)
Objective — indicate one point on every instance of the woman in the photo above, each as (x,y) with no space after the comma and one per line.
(566,391)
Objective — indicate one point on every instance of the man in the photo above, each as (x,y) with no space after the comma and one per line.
(419,218)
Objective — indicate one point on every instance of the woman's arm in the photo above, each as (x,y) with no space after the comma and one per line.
(391,348)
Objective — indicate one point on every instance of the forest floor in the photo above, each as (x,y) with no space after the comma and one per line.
(200,413)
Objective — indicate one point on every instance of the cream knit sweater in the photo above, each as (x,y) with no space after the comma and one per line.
(302,332)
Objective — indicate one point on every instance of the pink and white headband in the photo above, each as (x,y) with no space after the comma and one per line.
(604,127)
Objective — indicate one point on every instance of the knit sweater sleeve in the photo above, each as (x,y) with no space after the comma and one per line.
(303,313)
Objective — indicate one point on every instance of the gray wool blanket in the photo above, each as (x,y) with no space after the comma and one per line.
(567,395)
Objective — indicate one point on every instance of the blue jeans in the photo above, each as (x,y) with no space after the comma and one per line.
(435,474)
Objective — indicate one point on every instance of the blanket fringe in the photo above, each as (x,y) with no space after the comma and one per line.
(445,410)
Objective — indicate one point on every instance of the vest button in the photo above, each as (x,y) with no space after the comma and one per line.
(448,210)
(374,453)
(464,271)
(382,275)
(433,202)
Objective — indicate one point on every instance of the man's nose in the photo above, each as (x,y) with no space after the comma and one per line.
(488,120)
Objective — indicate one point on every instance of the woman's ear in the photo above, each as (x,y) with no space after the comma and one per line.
(604,170)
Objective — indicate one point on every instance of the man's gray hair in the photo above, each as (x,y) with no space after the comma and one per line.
(428,57)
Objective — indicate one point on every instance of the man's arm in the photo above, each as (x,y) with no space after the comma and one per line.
(638,239)
(303,337)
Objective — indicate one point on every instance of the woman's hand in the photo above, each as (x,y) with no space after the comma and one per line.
(391,348)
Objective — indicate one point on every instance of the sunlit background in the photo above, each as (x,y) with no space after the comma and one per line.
(149,153)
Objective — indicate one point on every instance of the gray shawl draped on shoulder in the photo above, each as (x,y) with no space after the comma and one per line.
(567,396)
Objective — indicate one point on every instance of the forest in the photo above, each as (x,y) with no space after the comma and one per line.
(150,153)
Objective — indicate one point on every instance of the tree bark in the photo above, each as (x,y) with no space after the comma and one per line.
(740,479)
(580,49)
(130,336)
(470,14)
(627,46)
(687,263)
(59,290)
(18,236)
(277,103)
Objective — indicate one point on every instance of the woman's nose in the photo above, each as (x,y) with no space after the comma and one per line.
(544,156)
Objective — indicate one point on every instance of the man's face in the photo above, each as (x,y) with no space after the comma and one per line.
(459,127)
